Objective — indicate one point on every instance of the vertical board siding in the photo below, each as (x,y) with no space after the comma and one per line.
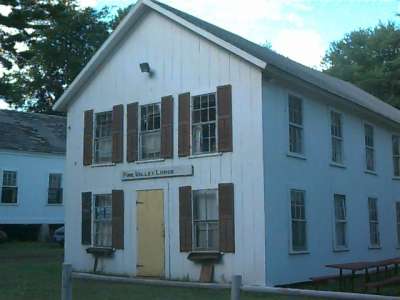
(224,94)
(86,233)
(88,138)
(226,217)
(118,134)
(118,219)
(167,127)
(185,218)
(184,125)
(132,150)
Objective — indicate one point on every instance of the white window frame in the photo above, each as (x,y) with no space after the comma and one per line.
(373,222)
(2,185)
(60,188)
(396,157)
(369,148)
(194,240)
(199,94)
(291,220)
(344,221)
(95,139)
(141,133)
(338,138)
(297,126)
(93,208)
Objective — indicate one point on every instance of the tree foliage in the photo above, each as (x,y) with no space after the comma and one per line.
(369,58)
(44,45)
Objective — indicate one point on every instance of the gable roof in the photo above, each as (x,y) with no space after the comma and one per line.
(30,132)
(239,46)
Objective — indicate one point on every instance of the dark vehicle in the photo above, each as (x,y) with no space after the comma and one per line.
(58,236)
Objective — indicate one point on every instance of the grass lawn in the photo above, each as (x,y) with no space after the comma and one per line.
(32,271)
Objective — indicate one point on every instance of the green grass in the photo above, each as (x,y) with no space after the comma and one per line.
(32,271)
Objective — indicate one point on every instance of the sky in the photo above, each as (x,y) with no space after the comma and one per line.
(299,29)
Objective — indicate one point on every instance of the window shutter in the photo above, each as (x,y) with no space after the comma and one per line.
(118,219)
(184,125)
(226,217)
(167,127)
(224,95)
(86,218)
(88,138)
(132,132)
(118,133)
(185,218)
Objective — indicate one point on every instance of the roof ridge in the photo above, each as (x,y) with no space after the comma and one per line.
(42,115)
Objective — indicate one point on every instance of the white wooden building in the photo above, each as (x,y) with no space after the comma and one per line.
(192,149)
(32,158)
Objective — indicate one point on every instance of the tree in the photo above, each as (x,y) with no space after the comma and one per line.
(45,44)
(369,58)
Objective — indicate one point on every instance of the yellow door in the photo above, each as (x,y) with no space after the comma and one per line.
(150,229)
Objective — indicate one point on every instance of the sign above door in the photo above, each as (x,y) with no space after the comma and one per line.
(157,172)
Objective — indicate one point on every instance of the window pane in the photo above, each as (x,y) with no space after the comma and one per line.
(369,157)
(298,220)
(369,135)
(9,178)
(103,221)
(295,139)
(341,234)
(295,110)
(9,195)
(337,150)
(299,236)
(103,138)
(150,145)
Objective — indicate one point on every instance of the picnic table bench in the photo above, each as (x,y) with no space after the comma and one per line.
(382,283)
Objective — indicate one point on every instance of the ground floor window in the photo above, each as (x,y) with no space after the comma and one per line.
(205,220)
(298,220)
(373,222)
(9,191)
(103,220)
(340,222)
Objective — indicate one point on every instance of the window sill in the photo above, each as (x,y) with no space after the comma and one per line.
(55,204)
(296,155)
(9,204)
(299,252)
(396,178)
(341,250)
(370,172)
(150,161)
(205,155)
(103,165)
(374,247)
(337,165)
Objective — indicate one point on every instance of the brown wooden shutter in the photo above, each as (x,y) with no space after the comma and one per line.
(118,219)
(167,127)
(86,218)
(88,138)
(224,95)
(184,125)
(185,218)
(132,153)
(118,133)
(226,217)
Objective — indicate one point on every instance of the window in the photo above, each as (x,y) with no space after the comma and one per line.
(298,217)
(340,222)
(103,137)
(396,155)
(55,191)
(204,124)
(150,133)
(9,190)
(103,220)
(398,222)
(205,220)
(373,222)
(295,125)
(369,147)
(337,137)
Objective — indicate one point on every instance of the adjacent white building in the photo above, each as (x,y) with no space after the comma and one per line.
(194,153)
(32,158)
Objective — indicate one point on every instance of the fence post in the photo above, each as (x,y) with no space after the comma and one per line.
(66,288)
(235,287)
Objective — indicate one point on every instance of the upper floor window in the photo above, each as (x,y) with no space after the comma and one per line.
(373,222)
(102,220)
(150,133)
(204,124)
(205,220)
(337,137)
(103,137)
(369,148)
(55,191)
(296,125)
(340,222)
(298,220)
(396,155)
(9,189)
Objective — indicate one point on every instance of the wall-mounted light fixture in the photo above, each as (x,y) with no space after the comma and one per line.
(145,68)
